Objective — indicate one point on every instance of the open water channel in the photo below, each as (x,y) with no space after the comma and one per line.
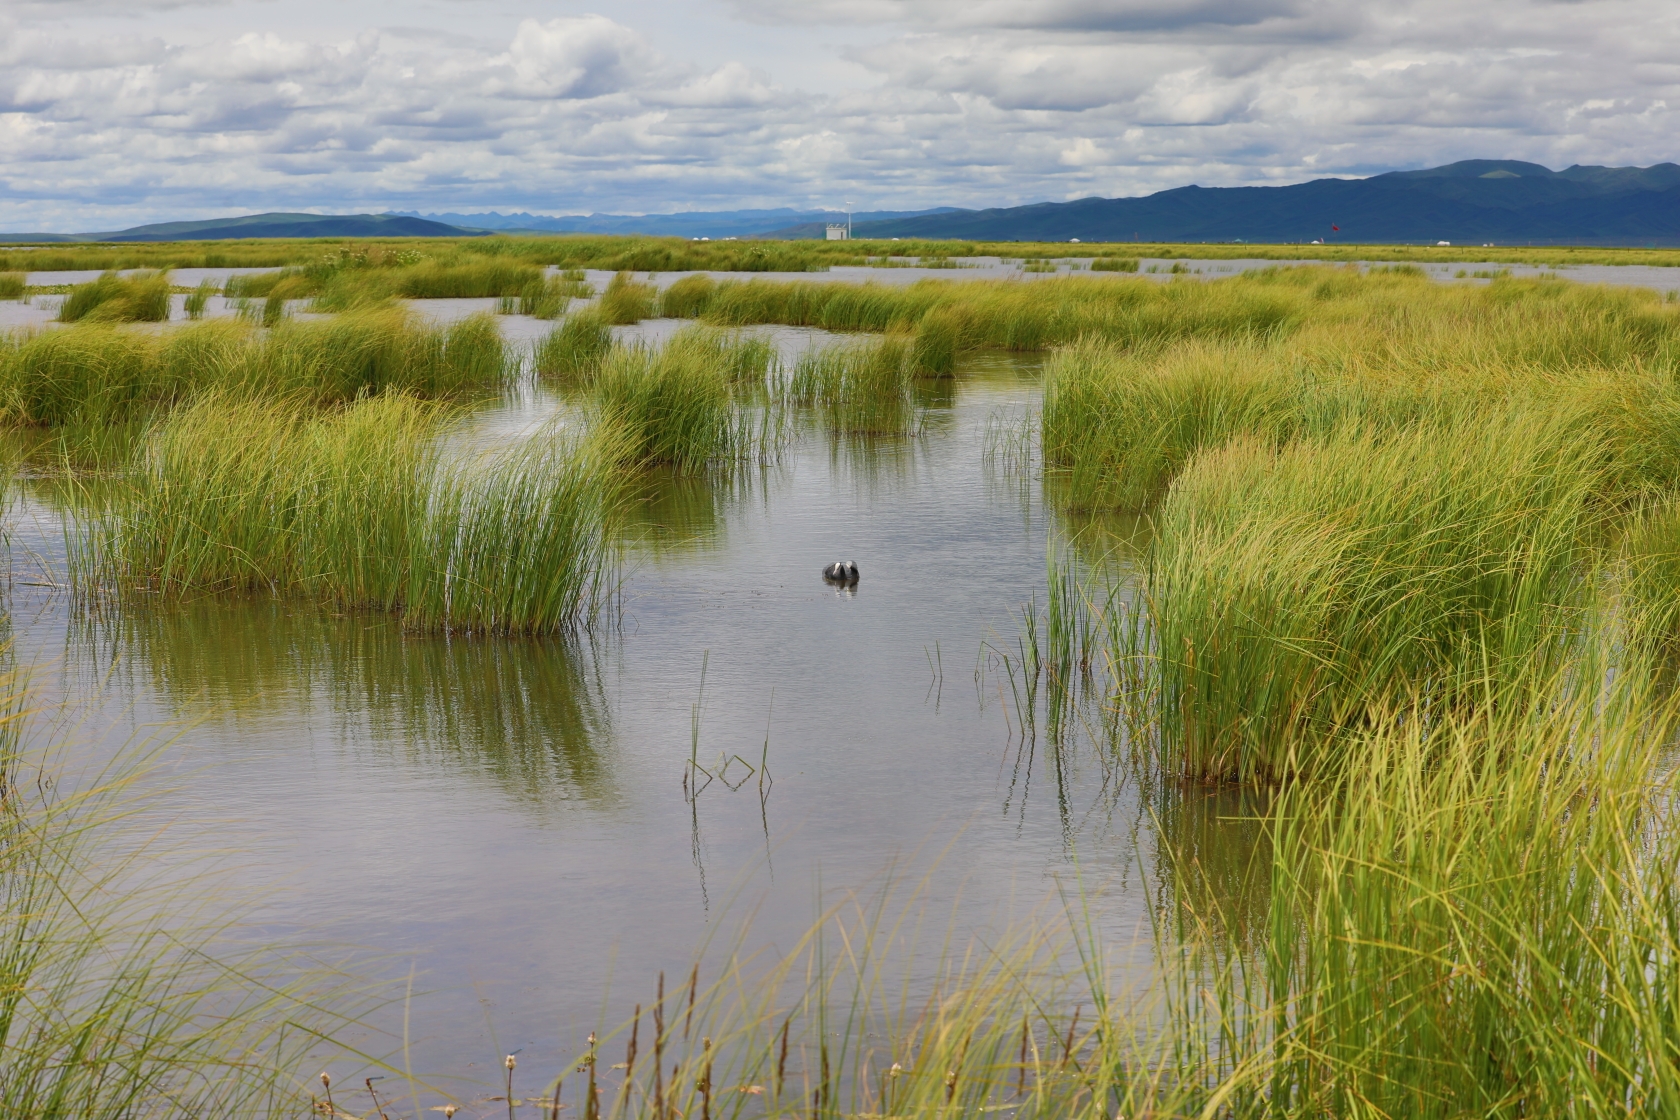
(508,818)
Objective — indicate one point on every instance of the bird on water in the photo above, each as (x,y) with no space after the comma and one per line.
(841,571)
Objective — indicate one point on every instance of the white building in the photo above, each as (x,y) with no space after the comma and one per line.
(837,232)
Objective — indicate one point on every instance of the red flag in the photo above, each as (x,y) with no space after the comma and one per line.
(1338,229)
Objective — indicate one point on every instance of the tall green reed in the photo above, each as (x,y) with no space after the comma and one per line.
(547,297)
(677,404)
(687,298)
(199,298)
(97,373)
(524,543)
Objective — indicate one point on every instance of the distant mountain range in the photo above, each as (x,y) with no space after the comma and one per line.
(697,223)
(267,225)
(1501,201)
(1475,201)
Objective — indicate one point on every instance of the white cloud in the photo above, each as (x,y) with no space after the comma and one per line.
(581,57)
(155,113)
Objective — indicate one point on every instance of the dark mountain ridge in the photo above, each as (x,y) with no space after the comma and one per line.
(267,225)
(1471,201)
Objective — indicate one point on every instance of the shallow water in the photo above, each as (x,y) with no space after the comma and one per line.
(509,817)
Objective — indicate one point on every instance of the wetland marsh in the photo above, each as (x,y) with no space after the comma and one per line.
(1257,699)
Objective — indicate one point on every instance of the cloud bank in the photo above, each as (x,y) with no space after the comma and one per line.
(117,118)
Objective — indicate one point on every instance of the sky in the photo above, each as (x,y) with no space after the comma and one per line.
(116,112)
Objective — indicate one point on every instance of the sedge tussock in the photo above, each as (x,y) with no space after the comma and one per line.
(140,298)
(360,507)
(626,301)
(1292,592)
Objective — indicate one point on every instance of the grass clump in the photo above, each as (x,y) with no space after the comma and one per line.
(466,280)
(687,298)
(522,544)
(860,388)
(573,351)
(199,298)
(376,352)
(1297,592)
(141,298)
(625,301)
(1116,428)
(1387,352)
(1114,264)
(347,281)
(547,298)
(675,405)
(1453,923)
(1008,315)
(12,285)
(363,508)
(93,374)
(939,337)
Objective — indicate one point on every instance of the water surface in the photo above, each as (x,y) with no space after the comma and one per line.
(509,816)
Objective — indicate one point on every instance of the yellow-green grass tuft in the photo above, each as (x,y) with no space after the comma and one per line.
(572,352)
(625,301)
(141,298)
(1297,592)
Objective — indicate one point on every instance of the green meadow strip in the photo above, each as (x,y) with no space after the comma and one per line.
(98,373)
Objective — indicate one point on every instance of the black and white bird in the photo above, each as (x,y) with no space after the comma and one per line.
(841,571)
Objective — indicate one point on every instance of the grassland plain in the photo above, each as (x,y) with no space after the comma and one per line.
(101,373)
(669,254)
(1408,582)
